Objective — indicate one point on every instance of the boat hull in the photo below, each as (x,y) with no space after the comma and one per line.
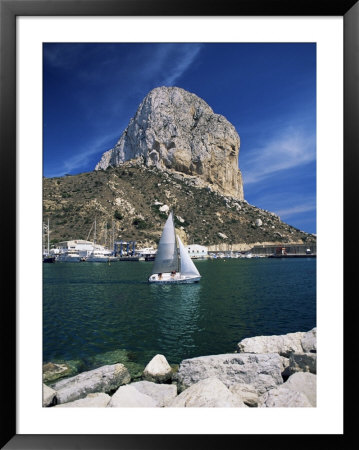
(178,278)
(49,259)
(74,259)
(98,259)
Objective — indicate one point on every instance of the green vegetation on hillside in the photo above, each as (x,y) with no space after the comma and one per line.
(129,203)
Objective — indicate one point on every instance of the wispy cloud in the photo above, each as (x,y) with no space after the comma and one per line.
(184,58)
(169,62)
(83,156)
(140,71)
(290,149)
(288,212)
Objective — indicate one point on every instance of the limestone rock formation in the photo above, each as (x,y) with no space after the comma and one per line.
(207,393)
(177,130)
(285,344)
(263,372)
(102,379)
(282,397)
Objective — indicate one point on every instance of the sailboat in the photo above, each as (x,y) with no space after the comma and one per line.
(99,253)
(46,257)
(173,265)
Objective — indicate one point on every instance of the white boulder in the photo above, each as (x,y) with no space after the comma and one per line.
(157,370)
(263,371)
(48,395)
(103,379)
(283,397)
(128,396)
(309,341)
(304,382)
(207,393)
(163,394)
(282,344)
(246,392)
(94,400)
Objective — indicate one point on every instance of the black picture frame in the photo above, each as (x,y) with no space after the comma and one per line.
(9,10)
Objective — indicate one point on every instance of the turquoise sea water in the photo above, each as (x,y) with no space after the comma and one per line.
(95,313)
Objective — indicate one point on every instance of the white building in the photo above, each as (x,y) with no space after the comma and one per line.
(84,248)
(197,251)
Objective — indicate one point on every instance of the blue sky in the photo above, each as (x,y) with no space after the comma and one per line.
(267,91)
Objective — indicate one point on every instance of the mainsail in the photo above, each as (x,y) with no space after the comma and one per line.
(166,257)
(187,265)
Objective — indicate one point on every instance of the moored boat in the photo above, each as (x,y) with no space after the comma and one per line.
(49,259)
(69,256)
(99,255)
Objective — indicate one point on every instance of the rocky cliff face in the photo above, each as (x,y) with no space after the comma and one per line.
(177,130)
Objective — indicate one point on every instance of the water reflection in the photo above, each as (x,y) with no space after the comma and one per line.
(176,313)
(90,310)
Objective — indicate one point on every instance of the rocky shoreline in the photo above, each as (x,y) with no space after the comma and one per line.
(264,371)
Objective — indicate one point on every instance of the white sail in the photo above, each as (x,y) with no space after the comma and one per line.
(187,265)
(166,257)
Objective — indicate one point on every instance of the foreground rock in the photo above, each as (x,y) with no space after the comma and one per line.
(227,380)
(302,362)
(208,393)
(162,394)
(158,370)
(128,396)
(282,397)
(53,371)
(304,382)
(48,396)
(96,400)
(103,379)
(309,341)
(247,393)
(284,345)
(263,372)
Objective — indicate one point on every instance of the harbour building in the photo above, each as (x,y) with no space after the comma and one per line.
(196,251)
(299,250)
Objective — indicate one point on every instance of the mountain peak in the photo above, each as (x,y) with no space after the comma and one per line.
(177,130)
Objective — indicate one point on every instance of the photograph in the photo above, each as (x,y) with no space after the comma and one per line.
(179,225)
(182,172)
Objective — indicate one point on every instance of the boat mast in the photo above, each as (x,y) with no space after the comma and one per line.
(178,253)
(94,234)
(113,237)
(48,236)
